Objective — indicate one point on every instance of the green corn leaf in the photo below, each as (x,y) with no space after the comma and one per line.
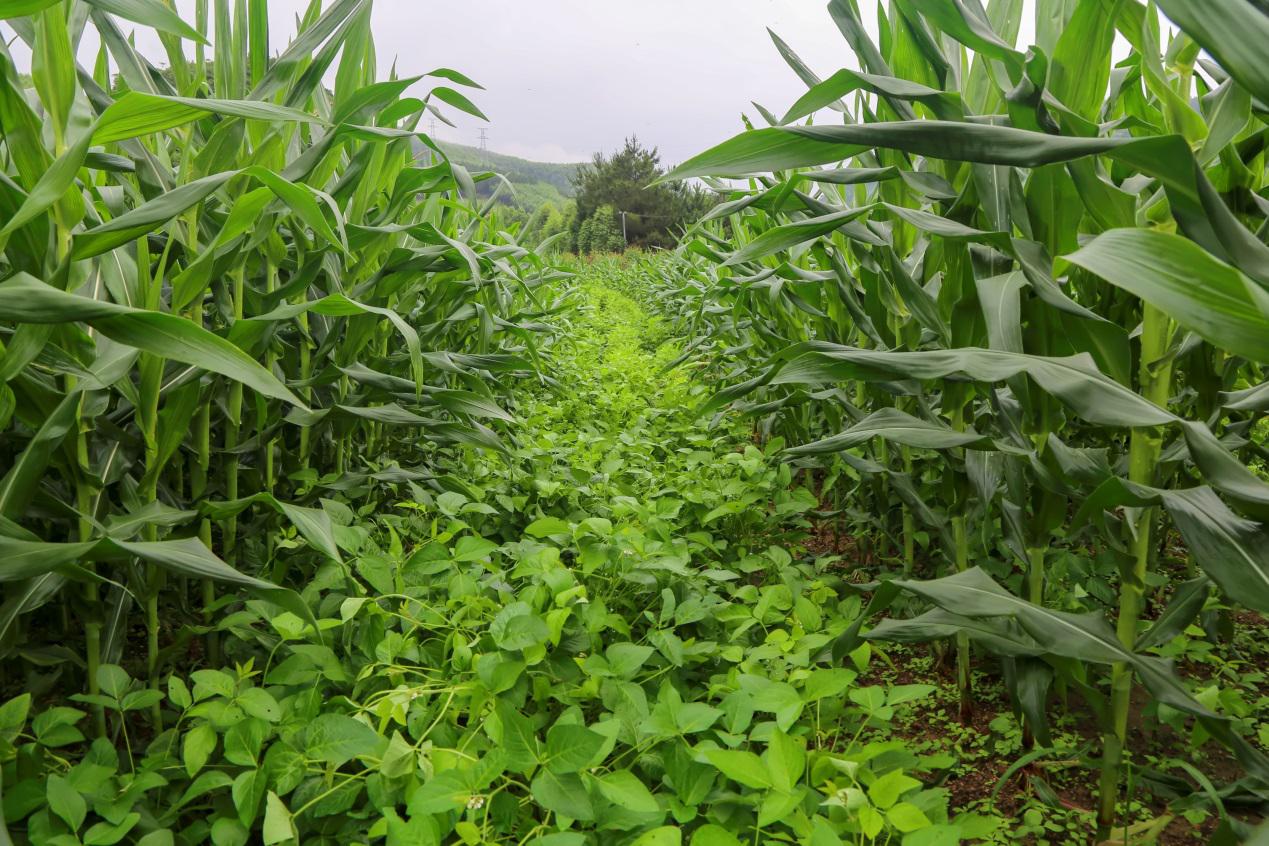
(190,558)
(247,332)
(301,200)
(152,13)
(24,559)
(469,404)
(1250,399)
(23,8)
(1230,549)
(28,300)
(1001,636)
(899,427)
(137,113)
(1083,637)
(455,76)
(244,215)
(1080,69)
(128,526)
(792,234)
(53,67)
(958,20)
(19,483)
(54,182)
(1176,276)
(145,218)
(794,61)
(1231,31)
(458,100)
(845,82)
(1075,379)
(1199,209)
(300,51)
(313,524)
(1185,605)
(25,597)
(141,114)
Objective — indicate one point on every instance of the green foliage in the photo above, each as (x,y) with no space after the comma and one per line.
(622,182)
(518,199)
(598,635)
(1015,317)
(331,513)
(520,172)
(229,307)
(601,233)
(554,222)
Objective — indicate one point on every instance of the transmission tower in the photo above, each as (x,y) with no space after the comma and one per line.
(484,140)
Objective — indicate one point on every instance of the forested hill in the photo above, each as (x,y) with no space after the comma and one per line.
(519,171)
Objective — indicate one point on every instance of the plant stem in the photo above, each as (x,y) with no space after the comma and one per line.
(151,383)
(1143,455)
(262,418)
(306,371)
(883,494)
(92,596)
(963,681)
(84,493)
(960,540)
(909,523)
(201,468)
(1035,575)
(229,531)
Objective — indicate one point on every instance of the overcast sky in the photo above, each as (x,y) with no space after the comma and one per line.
(569,77)
(566,78)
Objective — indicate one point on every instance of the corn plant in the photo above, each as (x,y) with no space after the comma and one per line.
(232,290)
(1017,293)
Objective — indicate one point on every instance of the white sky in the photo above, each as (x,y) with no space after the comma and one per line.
(566,78)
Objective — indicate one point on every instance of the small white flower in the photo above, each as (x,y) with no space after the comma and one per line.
(475,803)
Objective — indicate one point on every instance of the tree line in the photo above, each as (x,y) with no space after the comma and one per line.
(610,186)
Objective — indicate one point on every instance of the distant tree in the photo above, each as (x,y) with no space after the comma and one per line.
(559,220)
(601,232)
(533,225)
(654,215)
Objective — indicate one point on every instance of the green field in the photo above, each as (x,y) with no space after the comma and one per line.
(517,170)
(535,183)
(916,496)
